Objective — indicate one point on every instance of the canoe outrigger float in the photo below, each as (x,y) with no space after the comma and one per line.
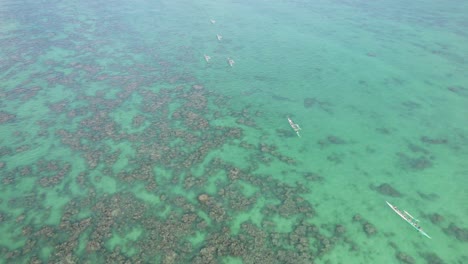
(294,126)
(408,218)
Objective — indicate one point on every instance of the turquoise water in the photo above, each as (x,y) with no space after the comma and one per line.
(119,142)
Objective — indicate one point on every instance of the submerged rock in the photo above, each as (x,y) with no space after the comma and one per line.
(415,163)
(436,218)
(458,232)
(432,258)
(386,189)
(434,141)
(369,229)
(357,218)
(6,117)
(203,198)
(309,102)
(340,230)
(404,258)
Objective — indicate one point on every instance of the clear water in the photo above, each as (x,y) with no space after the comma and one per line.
(119,142)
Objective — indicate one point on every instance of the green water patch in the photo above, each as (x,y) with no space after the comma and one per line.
(9,26)
(95,87)
(82,242)
(104,184)
(84,213)
(199,169)
(226,121)
(163,176)
(203,215)
(13,236)
(230,153)
(58,54)
(55,202)
(22,187)
(125,241)
(281,224)
(197,239)
(254,215)
(275,170)
(23,144)
(126,117)
(125,153)
(231,260)
(78,182)
(377,89)
(212,183)
(163,211)
(31,154)
(45,253)
(146,196)
(173,106)
(248,189)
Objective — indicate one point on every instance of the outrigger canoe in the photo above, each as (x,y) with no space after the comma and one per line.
(294,126)
(409,219)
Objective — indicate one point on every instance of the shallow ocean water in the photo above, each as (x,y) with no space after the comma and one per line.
(119,142)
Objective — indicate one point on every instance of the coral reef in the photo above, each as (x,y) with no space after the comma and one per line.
(458,90)
(55,169)
(404,258)
(313,177)
(431,258)
(436,218)
(386,189)
(145,175)
(414,163)
(429,196)
(203,198)
(434,141)
(311,102)
(6,117)
(339,231)
(457,232)
(368,228)
(331,140)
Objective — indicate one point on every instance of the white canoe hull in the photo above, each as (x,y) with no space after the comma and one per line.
(408,220)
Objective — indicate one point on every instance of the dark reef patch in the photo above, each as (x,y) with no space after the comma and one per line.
(312,176)
(434,141)
(417,149)
(368,228)
(311,102)
(383,130)
(459,233)
(414,163)
(6,117)
(285,133)
(386,189)
(429,197)
(336,158)
(410,105)
(404,258)
(431,258)
(331,140)
(436,218)
(458,90)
